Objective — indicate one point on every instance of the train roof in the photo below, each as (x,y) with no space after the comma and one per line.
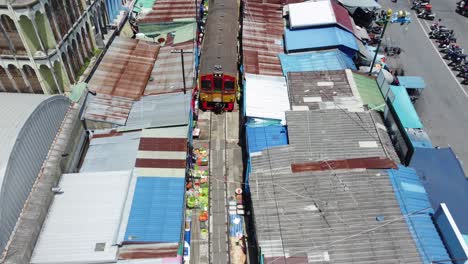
(220,42)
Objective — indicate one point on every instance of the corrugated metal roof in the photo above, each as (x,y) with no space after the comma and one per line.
(266,97)
(28,127)
(412,197)
(404,107)
(320,38)
(157,210)
(107,108)
(16,109)
(332,134)
(342,17)
(260,138)
(160,154)
(262,38)
(166,76)
(356,163)
(112,153)
(327,60)
(322,90)
(83,221)
(444,179)
(368,91)
(125,69)
(157,253)
(160,111)
(170,11)
(328,217)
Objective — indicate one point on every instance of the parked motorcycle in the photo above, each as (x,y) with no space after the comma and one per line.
(462,67)
(451,48)
(445,44)
(437,25)
(451,54)
(445,38)
(457,60)
(465,80)
(438,32)
(462,8)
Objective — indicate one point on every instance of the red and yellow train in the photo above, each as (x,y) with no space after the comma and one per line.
(218,74)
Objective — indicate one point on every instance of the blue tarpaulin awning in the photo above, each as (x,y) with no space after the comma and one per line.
(320,38)
(404,107)
(327,60)
(412,82)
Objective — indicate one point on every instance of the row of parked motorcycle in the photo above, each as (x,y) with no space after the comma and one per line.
(423,9)
(453,53)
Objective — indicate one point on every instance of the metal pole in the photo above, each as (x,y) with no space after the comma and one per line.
(183,69)
(378,45)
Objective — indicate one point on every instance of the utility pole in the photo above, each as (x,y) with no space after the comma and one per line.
(386,19)
(401,18)
(183,66)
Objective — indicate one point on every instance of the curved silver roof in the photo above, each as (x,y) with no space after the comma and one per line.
(28,126)
(15,110)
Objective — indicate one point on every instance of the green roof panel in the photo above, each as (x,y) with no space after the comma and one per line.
(369,92)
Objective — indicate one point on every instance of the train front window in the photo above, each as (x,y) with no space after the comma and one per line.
(206,85)
(218,84)
(228,85)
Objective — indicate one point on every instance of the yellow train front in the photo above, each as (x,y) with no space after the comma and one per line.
(219,57)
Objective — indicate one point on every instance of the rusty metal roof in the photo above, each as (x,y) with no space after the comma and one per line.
(148,251)
(125,68)
(170,11)
(166,76)
(356,163)
(262,39)
(107,108)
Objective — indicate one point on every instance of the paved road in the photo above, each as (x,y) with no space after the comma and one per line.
(218,209)
(443,106)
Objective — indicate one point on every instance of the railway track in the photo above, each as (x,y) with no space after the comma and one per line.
(219,243)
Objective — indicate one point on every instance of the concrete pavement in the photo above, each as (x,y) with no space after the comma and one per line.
(443,105)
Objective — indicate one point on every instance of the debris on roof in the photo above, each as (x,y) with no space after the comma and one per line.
(323,90)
